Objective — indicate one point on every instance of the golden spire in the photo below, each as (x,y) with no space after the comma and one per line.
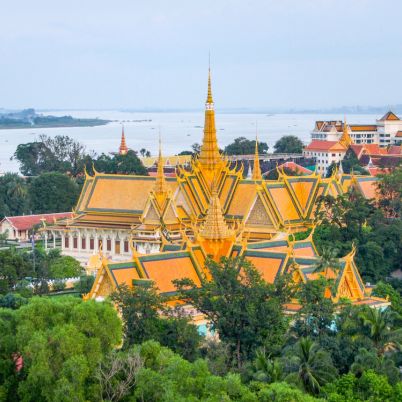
(209,156)
(160,184)
(123,147)
(345,140)
(215,227)
(256,170)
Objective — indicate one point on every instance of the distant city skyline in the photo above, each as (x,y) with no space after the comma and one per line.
(300,55)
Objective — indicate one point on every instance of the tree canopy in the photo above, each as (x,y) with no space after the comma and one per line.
(243,146)
(289,144)
(53,192)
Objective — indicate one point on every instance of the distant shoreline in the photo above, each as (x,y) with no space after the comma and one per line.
(73,123)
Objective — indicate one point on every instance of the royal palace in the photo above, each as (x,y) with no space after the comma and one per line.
(133,229)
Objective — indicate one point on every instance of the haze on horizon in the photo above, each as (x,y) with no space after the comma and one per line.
(154,54)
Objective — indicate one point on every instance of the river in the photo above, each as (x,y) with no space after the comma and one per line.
(178,130)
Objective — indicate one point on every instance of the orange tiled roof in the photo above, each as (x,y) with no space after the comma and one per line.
(317,145)
(399,134)
(121,193)
(389,116)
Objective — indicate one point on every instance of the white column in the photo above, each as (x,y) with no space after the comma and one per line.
(79,243)
(96,248)
(45,240)
(113,236)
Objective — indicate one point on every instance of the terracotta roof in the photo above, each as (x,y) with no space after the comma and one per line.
(317,145)
(389,116)
(374,171)
(294,167)
(395,150)
(399,134)
(26,222)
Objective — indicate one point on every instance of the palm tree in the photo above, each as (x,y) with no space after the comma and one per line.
(309,366)
(266,369)
(327,260)
(382,332)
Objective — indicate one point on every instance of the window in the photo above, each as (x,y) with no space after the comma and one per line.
(108,244)
(117,246)
(91,243)
(333,155)
(75,242)
(100,245)
(83,243)
(66,242)
(126,246)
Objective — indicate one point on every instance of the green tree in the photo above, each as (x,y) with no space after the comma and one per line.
(309,366)
(243,146)
(289,144)
(390,192)
(13,195)
(62,342)
(327,261)
(234,300)
(146,317)
(384,290)
(266,368)
(65,267)
(51,154)
(283,392)
(121,164)
(13,267)
(369,360)
(316,316)
(383,333)
(53,192)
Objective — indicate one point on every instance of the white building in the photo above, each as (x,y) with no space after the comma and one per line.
(386,131)
(325,152)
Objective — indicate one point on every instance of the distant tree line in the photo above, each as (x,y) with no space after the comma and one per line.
(243,146)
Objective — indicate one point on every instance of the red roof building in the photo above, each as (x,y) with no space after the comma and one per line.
(18,227)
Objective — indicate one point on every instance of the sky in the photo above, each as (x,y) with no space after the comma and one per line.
(86,54)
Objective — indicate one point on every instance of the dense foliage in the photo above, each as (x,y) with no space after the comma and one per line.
(376,232)
(243,146)
(59,349)
(289,144)
(28,272)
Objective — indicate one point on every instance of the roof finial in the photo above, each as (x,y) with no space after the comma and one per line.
(345,140)
(257,169)
(209,156)
(123,147)
(209,95)
(160,184)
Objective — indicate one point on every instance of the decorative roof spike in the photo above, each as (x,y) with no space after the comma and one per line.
(345,140)
(215,227)
(123,146)
(210,156)
(160,184)
(209,94)
(257,169)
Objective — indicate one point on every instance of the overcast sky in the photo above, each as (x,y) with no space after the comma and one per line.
(148,53)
